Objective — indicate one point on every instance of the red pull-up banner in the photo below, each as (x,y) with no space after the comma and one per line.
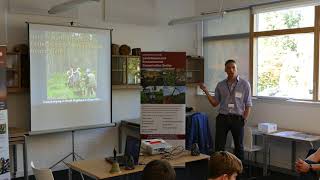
(163,81)
(4,137)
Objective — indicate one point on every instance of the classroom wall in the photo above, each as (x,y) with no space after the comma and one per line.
(3,22)
(289,115)
(150,34)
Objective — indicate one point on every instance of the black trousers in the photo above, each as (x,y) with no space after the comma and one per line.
(233,123)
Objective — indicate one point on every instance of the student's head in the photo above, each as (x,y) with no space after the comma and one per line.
(224,166)
(158,170)
(230,67)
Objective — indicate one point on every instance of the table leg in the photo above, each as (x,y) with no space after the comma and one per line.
(120,137)
(293,154)
(25,159)
(255,153)
(265,154)
(70,174)
(14,158)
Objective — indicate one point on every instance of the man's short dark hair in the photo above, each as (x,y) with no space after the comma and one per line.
(158,170)
(223,162)
(229,61)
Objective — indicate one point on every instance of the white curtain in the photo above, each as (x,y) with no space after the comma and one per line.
(236,22)
(216,52)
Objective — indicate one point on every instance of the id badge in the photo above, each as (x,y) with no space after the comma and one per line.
(230,106)
(238,95)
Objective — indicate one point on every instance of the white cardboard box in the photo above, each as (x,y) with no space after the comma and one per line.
(267,127)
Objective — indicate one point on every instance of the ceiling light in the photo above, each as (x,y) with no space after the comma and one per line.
(193,19)
(67,5)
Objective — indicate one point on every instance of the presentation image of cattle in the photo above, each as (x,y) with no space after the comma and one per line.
(152,95)
(163,77)
(3,128)
(72,82)
(4,165)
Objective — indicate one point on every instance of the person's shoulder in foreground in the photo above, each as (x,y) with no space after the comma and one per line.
(224,166)
(158,170)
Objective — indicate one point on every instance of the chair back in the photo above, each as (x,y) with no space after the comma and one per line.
(41,174)
(248,144)
(247,138)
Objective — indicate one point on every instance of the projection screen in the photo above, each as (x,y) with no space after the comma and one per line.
(70,77)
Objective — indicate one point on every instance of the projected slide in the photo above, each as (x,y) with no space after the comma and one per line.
(71,63)
(70,76)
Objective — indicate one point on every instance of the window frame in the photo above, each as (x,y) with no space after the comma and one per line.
(253,53)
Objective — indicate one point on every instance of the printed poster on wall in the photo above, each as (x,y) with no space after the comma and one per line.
(163,79)
(4,140)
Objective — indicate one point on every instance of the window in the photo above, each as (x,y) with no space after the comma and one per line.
(223,39)
(285,19)
(283,53)
(285,66)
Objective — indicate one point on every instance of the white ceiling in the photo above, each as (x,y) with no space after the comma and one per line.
(120,8)
(38,7)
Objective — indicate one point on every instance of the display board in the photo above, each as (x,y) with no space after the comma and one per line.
(4,137)
(70,76)
(163,79)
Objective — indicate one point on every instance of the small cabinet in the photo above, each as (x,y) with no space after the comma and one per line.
(17,72)
(125,70)
(195,69)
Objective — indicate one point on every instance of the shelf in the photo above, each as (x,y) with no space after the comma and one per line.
(125,72)
(12,69)
(17,69)
(17,90)
(133,86)
(125,56)
(197,70)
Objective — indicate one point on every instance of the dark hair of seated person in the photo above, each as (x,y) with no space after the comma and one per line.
(158,170)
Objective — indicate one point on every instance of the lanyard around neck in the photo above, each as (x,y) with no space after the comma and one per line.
(229,88)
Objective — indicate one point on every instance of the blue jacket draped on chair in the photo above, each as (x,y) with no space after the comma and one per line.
(198,131)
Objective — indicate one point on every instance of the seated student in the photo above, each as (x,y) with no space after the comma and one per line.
(308,167)
(224,166)
(158,170)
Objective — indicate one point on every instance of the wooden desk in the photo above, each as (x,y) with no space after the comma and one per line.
(99,168)
(18,136)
